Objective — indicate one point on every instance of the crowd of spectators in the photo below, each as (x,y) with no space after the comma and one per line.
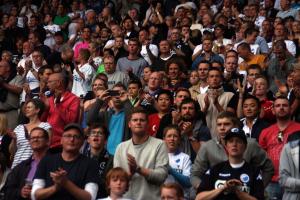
(149,99)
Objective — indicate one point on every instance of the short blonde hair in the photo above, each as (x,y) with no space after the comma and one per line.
(119,173)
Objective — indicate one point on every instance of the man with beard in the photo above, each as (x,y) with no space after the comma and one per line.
(115,118)
(193,130)
(272,140)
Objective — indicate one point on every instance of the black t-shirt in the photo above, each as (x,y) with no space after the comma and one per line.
(80,171)
(296,115)
(105,163)
(249,176)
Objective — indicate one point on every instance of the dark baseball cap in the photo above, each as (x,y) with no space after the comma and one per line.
(236,132)
(74,126)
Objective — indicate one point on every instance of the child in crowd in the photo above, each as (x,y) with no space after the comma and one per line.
(179,162)
(117,183)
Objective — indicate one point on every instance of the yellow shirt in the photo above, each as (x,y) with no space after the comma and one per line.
(257,59)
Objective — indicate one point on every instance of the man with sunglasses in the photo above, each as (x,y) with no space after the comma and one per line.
(66,175)
(273,138)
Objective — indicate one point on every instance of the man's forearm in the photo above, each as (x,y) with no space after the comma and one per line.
(75,191)
(45,193)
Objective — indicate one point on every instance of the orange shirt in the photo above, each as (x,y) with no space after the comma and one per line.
(257,59)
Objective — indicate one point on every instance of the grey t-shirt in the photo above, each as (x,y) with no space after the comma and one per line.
(137,66)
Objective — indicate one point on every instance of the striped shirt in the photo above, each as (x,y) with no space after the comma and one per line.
(24,150)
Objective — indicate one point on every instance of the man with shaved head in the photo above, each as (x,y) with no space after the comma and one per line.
(10,90)
(62,108)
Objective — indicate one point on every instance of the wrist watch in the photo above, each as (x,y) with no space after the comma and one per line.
(138,169)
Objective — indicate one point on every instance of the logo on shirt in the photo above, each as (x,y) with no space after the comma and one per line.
(224,175)
(244,178)
(220,184)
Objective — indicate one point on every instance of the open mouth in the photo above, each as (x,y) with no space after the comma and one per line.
(96,140)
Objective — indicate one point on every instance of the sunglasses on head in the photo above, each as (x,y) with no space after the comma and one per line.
(280,136)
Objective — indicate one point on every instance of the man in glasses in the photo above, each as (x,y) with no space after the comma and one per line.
(96,150)
(66,175)
(19,182)
(273,138)
(213,152)
(113,75)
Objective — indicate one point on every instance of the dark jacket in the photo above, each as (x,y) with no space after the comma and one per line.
(257,128)
(94,115)
(16,180)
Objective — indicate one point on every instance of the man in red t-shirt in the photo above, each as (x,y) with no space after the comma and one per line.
(273,138)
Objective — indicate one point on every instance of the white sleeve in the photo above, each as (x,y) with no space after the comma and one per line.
(291,47)
(91,188)
(187,164)
(197,48)
(154,50)
(37,184)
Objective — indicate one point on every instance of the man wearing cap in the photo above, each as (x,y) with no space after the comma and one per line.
(66,175)
(213,152)
(235,178)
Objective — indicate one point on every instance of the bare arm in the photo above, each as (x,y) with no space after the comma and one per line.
(12,88)
(45,193)
(206,195)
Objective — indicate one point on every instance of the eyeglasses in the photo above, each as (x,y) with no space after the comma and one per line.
(280,136)
(96,134)
(75,137)
(36,138)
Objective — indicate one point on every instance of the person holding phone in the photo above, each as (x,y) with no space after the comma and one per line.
(235,178)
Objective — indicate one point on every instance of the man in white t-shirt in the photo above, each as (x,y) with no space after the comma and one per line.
(82,74)
(31,88)
(280,33)
(148,51)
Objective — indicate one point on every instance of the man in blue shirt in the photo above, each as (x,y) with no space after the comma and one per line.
(207,54)
(114,118)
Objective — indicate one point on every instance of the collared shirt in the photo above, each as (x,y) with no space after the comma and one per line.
(246,128)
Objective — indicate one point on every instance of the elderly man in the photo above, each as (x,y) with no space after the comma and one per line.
(10,90)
